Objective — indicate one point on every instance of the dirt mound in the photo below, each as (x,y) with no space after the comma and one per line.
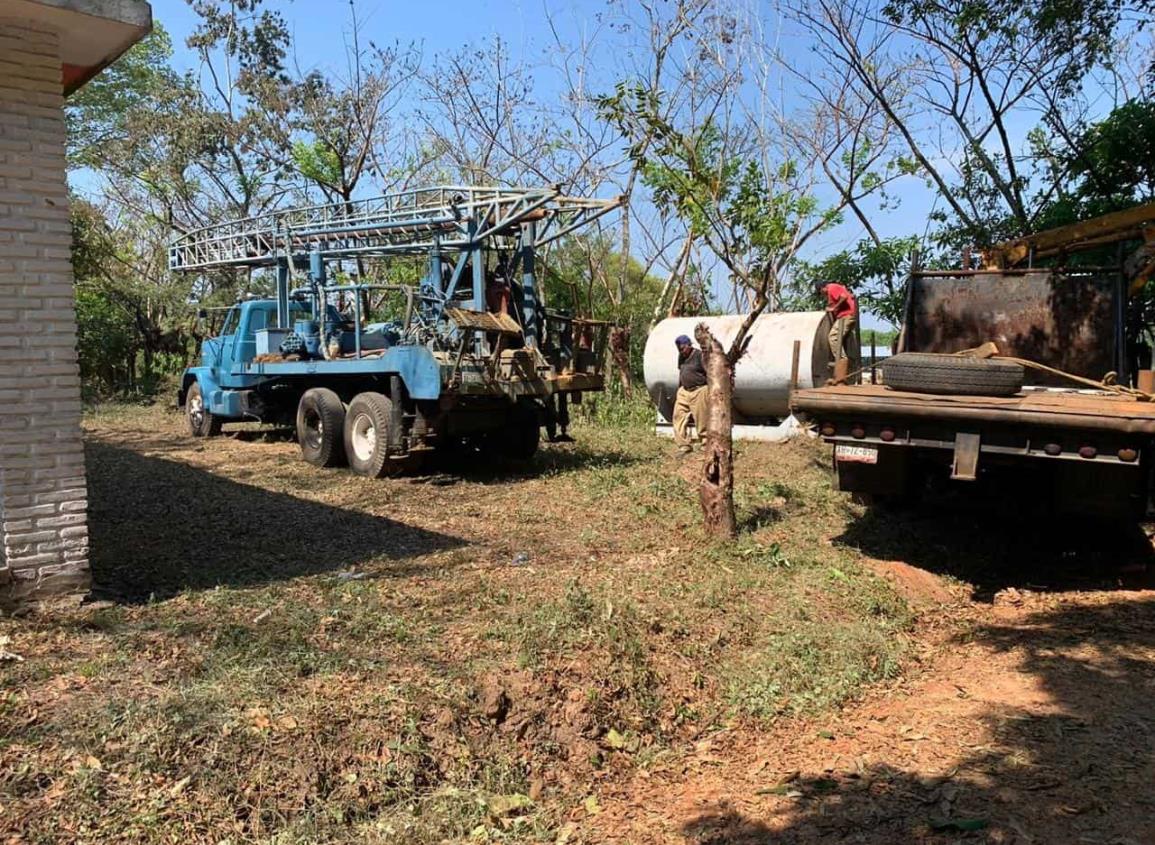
(921,589)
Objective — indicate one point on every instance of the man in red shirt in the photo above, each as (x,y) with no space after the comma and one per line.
(843,309)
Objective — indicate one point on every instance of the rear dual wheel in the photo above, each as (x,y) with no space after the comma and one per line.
(367,429)
(320,423)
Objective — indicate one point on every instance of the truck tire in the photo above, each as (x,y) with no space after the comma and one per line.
(367,438)
(320,424)
(522,435)
(201,423)
(954,375)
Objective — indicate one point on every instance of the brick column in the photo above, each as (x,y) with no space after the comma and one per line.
(43,498)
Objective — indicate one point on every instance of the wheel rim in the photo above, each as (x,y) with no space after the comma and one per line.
(314,429)
(196,410)
(363,437)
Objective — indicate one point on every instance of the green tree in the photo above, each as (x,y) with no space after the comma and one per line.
(132,314)
(1109,166)
(579,276)
(166,153)
(958,77)
(100,113)
(751,206)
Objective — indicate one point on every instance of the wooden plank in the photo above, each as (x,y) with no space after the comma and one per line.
(483,321)
(1105,404)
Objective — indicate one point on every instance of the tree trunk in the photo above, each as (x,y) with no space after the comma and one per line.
(620,352)
(716,491)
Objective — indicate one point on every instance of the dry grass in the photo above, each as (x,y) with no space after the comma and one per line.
(295,655)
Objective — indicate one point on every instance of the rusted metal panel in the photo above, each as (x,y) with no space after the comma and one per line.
(1065,321)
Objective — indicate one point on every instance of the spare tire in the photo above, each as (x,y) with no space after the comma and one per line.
(952,375)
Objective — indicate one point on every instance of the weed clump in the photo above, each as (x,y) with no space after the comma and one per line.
(815,666)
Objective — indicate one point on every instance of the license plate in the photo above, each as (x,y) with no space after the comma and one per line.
(856,454)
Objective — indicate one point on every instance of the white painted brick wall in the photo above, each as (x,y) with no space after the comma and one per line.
(43,497)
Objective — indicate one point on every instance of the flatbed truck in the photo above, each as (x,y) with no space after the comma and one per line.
(945,418)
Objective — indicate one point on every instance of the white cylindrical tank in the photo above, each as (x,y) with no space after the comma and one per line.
(762,378)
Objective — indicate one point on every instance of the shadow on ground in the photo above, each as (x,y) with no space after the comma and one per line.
(465,463)
(487,466)
(994,546)
(1074,769)
(158,527)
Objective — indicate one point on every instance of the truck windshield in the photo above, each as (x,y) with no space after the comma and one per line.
(230,324)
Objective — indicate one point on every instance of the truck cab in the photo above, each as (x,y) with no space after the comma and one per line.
(237,338)
(218,371)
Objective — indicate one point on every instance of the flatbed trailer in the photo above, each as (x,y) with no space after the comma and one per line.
(1077,452)
(1043,409)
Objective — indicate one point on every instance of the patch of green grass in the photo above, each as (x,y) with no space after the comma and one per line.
(815,665)
(775,489)
(749,551)
(615,410)
(608,632)
(832,630)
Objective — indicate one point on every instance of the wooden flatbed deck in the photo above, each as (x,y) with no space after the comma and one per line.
(1101,411)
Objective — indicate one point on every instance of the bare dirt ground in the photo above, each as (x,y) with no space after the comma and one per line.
(553,653)
(1028,718)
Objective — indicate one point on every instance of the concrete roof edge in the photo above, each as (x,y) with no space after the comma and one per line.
(135,13)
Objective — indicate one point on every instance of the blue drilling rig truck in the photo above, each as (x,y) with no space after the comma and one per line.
(467,356)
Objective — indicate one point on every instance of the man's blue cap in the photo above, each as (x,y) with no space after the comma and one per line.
(682,340)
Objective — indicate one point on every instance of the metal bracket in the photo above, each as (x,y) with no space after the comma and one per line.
(966,457)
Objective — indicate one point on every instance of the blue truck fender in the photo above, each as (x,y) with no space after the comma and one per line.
(419,370)
(208,383)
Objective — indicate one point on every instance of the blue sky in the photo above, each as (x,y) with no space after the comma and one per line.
(320,27)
